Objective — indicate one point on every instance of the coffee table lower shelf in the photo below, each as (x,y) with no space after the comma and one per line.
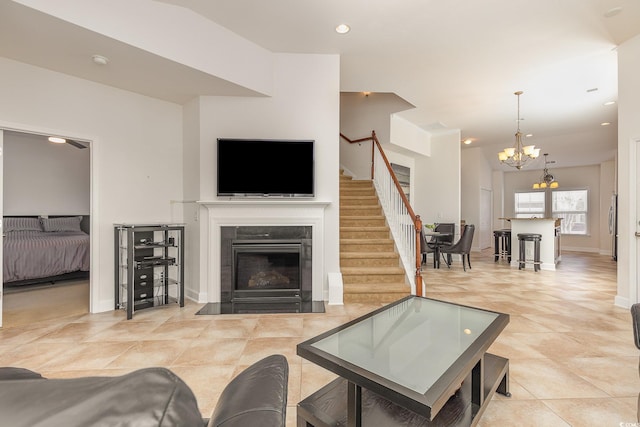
(327,407)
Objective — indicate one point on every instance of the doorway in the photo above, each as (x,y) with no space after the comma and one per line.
(47,183)
(486,215)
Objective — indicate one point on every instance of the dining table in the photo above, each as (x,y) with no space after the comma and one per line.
(438,238)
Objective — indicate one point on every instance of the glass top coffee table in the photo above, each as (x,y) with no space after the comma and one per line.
(415,362)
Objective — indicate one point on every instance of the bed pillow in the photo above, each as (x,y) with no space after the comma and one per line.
(22,224)
(67,223)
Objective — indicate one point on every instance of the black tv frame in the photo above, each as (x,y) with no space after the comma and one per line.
(265,168)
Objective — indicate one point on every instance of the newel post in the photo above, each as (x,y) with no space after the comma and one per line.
(418,227)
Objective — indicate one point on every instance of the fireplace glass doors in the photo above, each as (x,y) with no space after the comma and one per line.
(266,269)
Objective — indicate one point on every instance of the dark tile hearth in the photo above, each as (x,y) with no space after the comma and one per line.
(260,308)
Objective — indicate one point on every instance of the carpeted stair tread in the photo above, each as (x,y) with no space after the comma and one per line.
(377,287)
(363,208)
(367,228)
(383,298)
(380,272)
(364,241)
(370,264)
(368,255)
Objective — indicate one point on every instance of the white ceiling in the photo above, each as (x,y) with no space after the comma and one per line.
(457,61)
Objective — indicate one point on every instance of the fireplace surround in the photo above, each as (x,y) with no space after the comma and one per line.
(288,217)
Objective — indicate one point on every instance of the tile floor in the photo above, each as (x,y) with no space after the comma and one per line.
(572,358)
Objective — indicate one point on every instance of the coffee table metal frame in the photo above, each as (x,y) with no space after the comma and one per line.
(486,373)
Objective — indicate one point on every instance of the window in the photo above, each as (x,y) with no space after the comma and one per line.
(572,207)
(403,174)
(530,204)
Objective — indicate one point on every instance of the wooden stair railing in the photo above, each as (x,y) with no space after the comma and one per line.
(417,222)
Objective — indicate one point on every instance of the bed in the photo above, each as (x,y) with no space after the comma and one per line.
(43,249)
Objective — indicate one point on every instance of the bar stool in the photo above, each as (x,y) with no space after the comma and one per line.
(523,238)
(502,243)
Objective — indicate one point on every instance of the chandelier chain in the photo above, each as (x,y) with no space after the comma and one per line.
(519,155)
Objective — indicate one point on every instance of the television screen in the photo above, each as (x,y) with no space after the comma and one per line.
(265,168)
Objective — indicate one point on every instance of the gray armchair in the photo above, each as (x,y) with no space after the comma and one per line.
(446,227)
(461,247)
(425,249)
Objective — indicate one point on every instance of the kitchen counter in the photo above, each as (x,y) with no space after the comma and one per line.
(549,228)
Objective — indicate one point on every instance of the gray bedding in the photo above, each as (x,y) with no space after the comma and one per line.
(34,254)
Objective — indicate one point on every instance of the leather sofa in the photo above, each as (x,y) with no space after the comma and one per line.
(146,397)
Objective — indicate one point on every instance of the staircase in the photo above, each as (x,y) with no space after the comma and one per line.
(370,265)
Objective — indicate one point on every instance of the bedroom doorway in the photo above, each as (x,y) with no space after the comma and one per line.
(57,179)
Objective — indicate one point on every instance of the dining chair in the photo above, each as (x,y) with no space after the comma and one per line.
(446,227)
(433,245)
(426,248)
(461,247)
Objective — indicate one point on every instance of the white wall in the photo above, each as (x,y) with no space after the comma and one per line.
(628,171)
(497,184)
(435,180)
(187,207)
(607,189)
(287,115)
(43,178)
(438,181)
(136,153)
(359,115)
(407,135)
(476,175)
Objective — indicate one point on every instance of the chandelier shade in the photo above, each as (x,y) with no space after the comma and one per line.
(547,180)
(518,155)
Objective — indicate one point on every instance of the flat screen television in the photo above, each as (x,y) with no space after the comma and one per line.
(265,168)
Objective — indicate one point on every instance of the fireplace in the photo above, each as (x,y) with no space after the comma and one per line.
(266,269)
(300,221)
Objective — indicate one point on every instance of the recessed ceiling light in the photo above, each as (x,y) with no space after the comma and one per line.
(529,135)
(467,141)
(57,140)
(605,124)
(612,12)
(609,103)
(100,60)
(343,29)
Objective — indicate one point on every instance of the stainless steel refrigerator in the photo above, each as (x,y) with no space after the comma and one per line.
(613,226)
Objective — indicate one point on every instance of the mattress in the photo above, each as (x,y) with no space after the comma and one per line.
(34,254)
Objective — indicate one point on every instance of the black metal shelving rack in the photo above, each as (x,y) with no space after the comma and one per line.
(149,266)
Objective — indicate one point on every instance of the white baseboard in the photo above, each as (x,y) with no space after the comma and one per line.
(622,302)
(104,305)
(580,249)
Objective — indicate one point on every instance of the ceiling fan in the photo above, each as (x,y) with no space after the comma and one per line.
(76,143)
(59,140)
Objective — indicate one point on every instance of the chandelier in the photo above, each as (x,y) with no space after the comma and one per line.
(518,155)
(547,180)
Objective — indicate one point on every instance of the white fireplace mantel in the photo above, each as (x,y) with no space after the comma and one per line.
(297,212)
